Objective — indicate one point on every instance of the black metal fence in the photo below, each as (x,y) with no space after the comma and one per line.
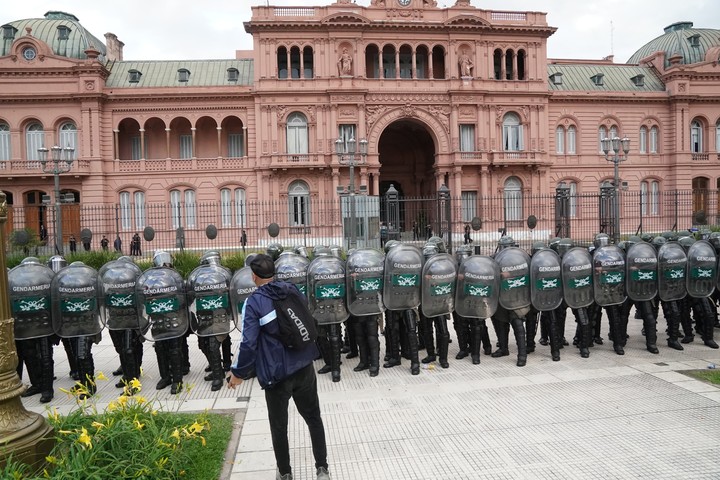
(311,222)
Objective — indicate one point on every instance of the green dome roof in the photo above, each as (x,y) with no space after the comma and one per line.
(682,39)
(52,29)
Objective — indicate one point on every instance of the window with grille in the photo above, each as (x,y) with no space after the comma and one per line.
(512,133)
(299,203)
(468,202)
(467,139)
(186,146)
(512,194)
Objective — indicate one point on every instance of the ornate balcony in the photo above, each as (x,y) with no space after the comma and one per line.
(304,160)
(175,164)
(700,157)
(32,168)
(517,158)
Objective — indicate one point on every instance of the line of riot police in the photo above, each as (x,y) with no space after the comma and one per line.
(413,292)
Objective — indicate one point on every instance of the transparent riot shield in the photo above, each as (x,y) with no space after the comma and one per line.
(478,287)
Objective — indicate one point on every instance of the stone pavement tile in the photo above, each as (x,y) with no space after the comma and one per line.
(229,404)
(254,461)
(671,376)
(712,395)
(696,386)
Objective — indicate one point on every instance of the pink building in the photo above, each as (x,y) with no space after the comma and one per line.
(457,96)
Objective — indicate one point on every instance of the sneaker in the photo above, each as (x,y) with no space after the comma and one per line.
(287,476)
(322,474)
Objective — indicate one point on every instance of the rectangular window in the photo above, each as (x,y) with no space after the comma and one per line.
(654,198)
(225,208)
(571,140)
(512,138)
(69,138)
(345,133)
(654,134)
(186,150)
(469,205)
(467,140)
(235,145)
(190,217)
(135,148)
(175,208)
(560,140)
(643,140)
(240,216)
(139,210)
(5,150)
(299,210)
(35,140)
(643,198)
(125,210)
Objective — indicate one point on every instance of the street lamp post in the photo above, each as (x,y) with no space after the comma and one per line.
(348,157)
(620,147)
(61,162)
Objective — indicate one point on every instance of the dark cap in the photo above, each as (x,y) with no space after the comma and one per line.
(263,266)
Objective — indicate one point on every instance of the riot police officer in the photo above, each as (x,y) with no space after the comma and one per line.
(437,300)
(162,308)
(29,286)
(609,289)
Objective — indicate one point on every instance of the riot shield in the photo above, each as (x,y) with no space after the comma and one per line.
(208,292)
(672,263)
(439,274)
(364,277)
(30,300)
(116,287)
(577,278)
(545,280)
(241,287)
(161,304)
(75,301)
(403,268)
(326,288)
(641,272)
(701,267)
(609,275)
(292,268)
(515,272)
(478,287)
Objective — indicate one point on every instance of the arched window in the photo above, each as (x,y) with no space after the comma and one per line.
(5,150)
(649,197)
(69,137)
(560,140)
(183,211)
(512,133)
(700,187)
(717,136)
(34,139)
(308,68)
(232,207)
(512,193)
(642,147)
(297,134)
(571,140)
(654,139)
(299,203)
(696,137)
(132,206)
(282,62)
(602,133)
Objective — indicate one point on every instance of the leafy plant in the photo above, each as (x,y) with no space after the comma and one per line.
(185,262)
(93,258)
(234,261)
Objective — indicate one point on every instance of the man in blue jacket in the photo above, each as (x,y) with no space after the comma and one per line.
(283,373)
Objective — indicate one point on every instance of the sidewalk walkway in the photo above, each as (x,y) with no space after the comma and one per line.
(605,417)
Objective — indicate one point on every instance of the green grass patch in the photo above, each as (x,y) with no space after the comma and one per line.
(709,375)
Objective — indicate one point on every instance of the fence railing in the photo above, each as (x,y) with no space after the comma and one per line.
(310,222)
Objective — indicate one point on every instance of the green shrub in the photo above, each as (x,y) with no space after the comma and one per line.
(93,258)
(185,262)
(234,261)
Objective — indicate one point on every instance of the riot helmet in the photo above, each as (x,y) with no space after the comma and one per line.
(565,245)
(162,259)
(31,261)
(658,242)
(462,252)
(632,240)
(336,251)
(553,243)
(438,242)
(715,241)
(601,240)
(301,250)
(249,258)
(429,250)
(390,244)
(505,241)
(623,245)
(321,251)
(686,241)
(57,263)
(705,234)
(536,247)
(647,237)
(274,250)
(211,257)
(669,236)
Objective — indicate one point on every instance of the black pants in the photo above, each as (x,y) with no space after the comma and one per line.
(301,386)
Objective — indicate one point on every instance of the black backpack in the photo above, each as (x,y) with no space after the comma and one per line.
(295,322)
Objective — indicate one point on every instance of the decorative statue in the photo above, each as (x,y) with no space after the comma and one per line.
(466,64)
(345,63)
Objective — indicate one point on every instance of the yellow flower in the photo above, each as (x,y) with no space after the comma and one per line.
(66,432)
(51,459)
(154,412)
(138,425)
(84,439)
(140,399)
(135,384)
(65,390)
(100,376)
(54,415)
(175,434)
(181,473)
(112,406)
(122,401)
(196,428)
(97,425)
(202,440)
(161,463)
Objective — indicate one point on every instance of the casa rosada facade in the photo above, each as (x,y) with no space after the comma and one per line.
(458,96)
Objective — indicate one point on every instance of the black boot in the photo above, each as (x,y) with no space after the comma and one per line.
(392,340)
(373,346)
(707,324)
(335,347)
(361,342)
(554,334)
(47,369)
(617,332)
(215,358)
(351,338)
(323,343)
(163,365)
(462,330)
(502,330)
(178,363)
(475,340)
(429,339)
(649,325)
(485,337)
(410,322)
(518,326)
(226,349)
(443,339)
(530,330)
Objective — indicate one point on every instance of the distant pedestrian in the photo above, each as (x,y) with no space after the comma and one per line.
(243,239)
(383,234)
(117,244)
(86,244)
(135,245)
(467,234)
(416,231)
(428,231)
(73,244)
(104,243)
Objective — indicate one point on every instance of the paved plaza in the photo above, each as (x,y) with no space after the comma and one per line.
(605,417)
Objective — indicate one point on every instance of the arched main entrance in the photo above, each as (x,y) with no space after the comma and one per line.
(407,156)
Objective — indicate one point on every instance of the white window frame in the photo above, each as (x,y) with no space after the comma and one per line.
(513,199)
(240,207)
(467,139)
(5,146)
(512,133)
(226,216)
(602,133)
(469,203)
(297,134)
(236,147)
(175,208)
(299,203)
(186,147)
(34,139)
(560,140)
(190,209)
(654,139)
(717,136)
(139,209)
(69,138)
(345,133)
(125,220)
(571,140)
(696,137)
(643,140)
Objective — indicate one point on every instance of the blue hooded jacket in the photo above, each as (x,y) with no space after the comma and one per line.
(261,350)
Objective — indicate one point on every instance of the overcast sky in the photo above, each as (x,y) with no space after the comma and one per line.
(183,29)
